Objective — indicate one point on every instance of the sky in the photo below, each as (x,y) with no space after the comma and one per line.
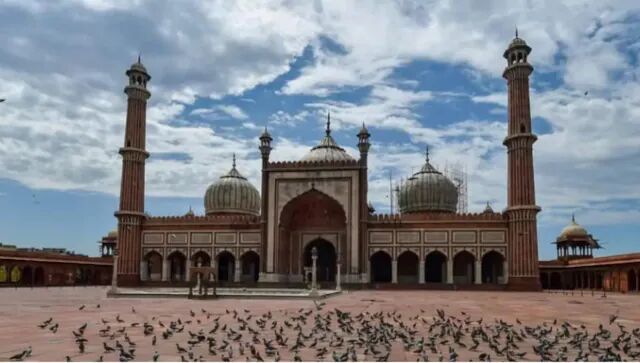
(416,72)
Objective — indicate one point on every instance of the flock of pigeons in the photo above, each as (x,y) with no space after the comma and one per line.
(324,334)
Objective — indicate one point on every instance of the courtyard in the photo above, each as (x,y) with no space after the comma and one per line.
(362,325)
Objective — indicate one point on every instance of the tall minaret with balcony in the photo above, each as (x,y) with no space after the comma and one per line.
(363,146)
(131,212)
(265,151)
(521,202)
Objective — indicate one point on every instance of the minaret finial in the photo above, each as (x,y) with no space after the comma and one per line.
(328,130)
(234,160)
(139,57)
(516,31)
(427,153)
(573,217)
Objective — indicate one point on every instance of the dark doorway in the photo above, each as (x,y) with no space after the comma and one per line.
(555,281)
(326,263)
(408,266)
(463,268)
(492,271)
(380,267)
(154,266)
(435,267)
(250,266)
(631,281)
(177,266)
(39,276)
(226,266)
(201,259)
(27,276)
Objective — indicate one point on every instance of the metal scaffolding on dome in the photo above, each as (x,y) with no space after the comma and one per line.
(457,172)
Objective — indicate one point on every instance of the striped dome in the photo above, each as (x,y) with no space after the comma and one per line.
(232,193)
(428,190)
(328,149)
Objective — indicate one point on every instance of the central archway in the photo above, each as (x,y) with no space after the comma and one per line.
(326,262)
(310,219)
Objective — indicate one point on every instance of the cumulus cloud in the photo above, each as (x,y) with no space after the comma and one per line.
(62,67)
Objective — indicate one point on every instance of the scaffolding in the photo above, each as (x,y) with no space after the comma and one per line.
(457,173)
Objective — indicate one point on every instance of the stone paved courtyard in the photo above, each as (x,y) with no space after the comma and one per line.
(408,312)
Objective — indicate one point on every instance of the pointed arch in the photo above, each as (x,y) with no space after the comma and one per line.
(464,268)
(408,267)
(380,267)
(435,267)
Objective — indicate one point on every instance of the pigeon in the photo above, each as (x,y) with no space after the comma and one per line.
(81,308)
(156,355)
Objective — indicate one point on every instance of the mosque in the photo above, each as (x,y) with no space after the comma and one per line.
(319,204)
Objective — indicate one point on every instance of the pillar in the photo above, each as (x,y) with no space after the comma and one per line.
(478,272)
(187,270)
(144,270)
(421,276)
(394,271)
(369,271)
(505,272)
(338,268)
(165,269)
(238,271)
(449,270)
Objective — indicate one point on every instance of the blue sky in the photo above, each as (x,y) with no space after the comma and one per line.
(416,73)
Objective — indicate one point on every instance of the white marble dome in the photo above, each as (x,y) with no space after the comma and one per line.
(232,194)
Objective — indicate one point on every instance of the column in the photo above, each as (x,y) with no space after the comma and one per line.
(394,271)
(187,269)
(505,272)
(144,271)
(369,271)
(421,272)
(449,271)
(165,269)
(478,272)
(238,271)
(338,268)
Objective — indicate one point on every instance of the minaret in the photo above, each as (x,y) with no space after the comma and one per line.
(131,212)
(363,146)
(265,151)
(521,202)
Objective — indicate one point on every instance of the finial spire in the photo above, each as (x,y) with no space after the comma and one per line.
(234,160)
(427,153)
(328,129)
(573,218)
(139,57)
(516,31)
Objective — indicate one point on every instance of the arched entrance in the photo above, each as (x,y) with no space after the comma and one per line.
(226,266)
(555,281)
(492,271)
(408,266)
(435,267)
(311,215)
(463,268)
(154,266)
(380,263)
(177,266)
(250,266)
(631,281)
(326,262)
(27,276)
(38,278)
(201,258)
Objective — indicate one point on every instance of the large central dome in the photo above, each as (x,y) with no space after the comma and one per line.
(328,149)
(232,194)
(428,190)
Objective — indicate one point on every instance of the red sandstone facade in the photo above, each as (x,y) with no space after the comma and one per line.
(321,201)
(27,268)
